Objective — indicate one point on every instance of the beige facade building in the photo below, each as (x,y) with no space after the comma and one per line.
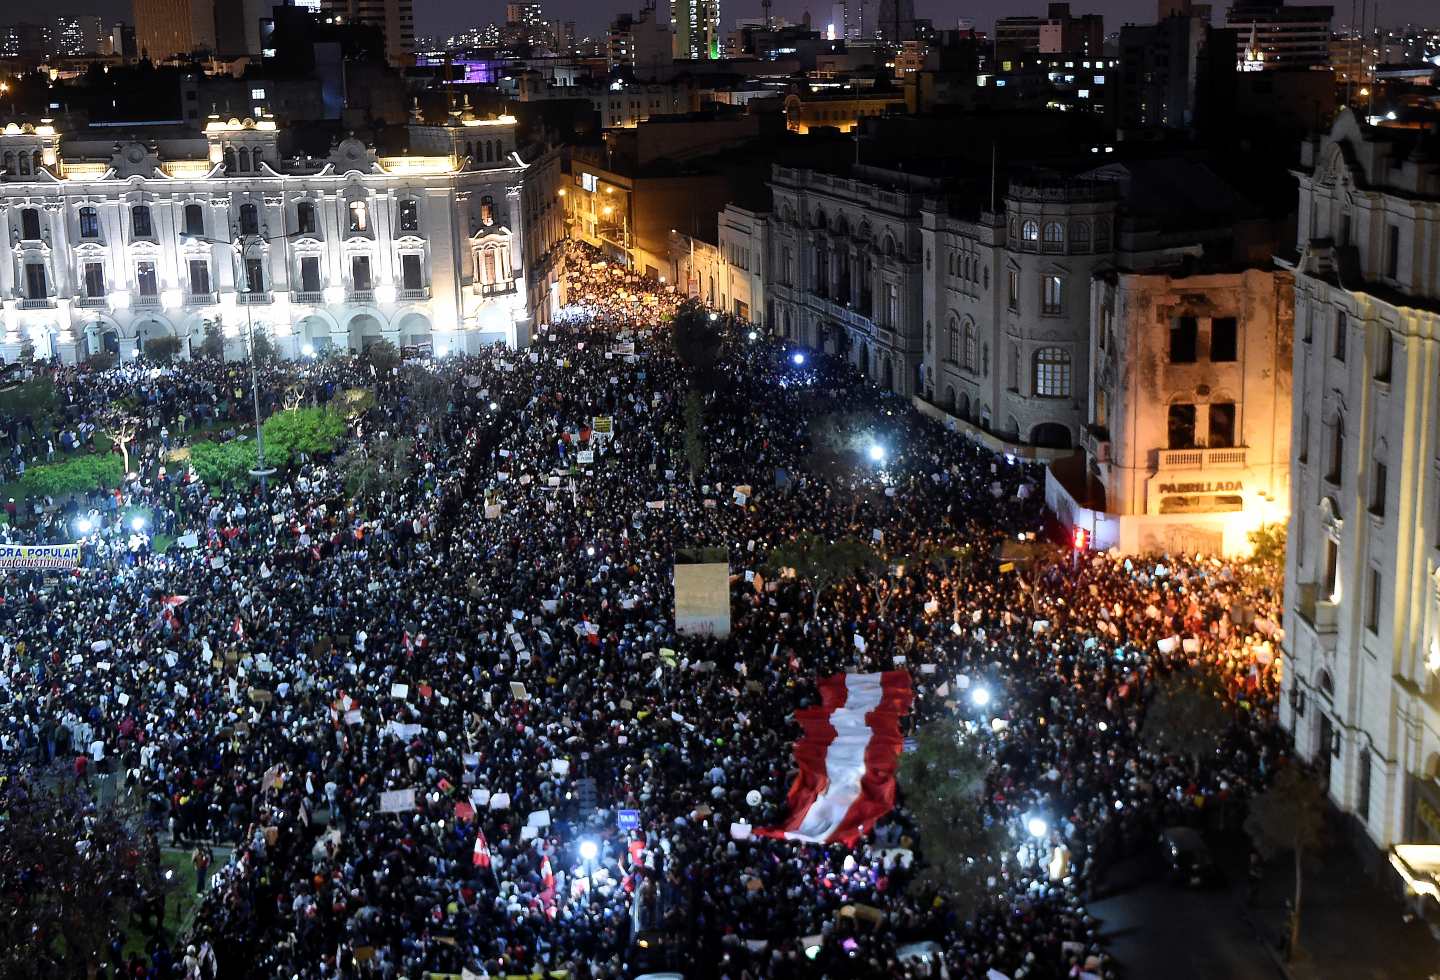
(1188,439)
(1362,583)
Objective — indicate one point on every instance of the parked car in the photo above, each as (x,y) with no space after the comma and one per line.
(1188,857)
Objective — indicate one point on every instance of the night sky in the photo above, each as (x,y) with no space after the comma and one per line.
(441,17)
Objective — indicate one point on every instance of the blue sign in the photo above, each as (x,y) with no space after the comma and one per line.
(627,819)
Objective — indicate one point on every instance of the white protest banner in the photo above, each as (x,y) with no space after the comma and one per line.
(739,831)
(538,818)
(479,798)
(39,555)
(560,767)
(397,800)
(702,599)
(500,801)
(518,692)
(585,457)
(400,691)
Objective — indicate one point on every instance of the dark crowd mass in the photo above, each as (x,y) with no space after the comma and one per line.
(495,633)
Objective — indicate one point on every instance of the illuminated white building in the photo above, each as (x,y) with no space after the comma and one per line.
(111,249)
(1362,582)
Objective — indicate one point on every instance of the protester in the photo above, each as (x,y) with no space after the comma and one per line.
(497,630)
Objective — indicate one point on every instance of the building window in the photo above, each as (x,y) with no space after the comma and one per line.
(305,217)
(409,215)
(1362,793)
(1054,236)
(1373,595)
(892,305)
(146,283)
(30,224)
(1030,232)
(310,273)
(1378,476)
(411,272)
(249,219)
(1337,451)
(1014,368)
(35,285)
(1332,569)
(199,277)
(89,223)
(1181,426)
(1392,252)
(1013,296)
(1222,425)
(1183,334)
(1223,339)
(140,221)
(955,345)
(194,219)
(1384,353)
(255,275)
(1304,450)
(1051,295)
(971,362)
(1342,323)
(1052,372)
(360,273)
(1080,236)
(359,216)
(1344,238)
(1102,235)
(95,280)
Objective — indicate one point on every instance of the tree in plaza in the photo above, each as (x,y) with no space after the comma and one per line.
(822,563)
(218,464)
(312,431)
(695,451)
(383,466)
(431,397)
(35,400)
(1187,716)
(79,474)
(262,348)
(382,356)
(697,339)
(943,785)
(213,345)
(162,350)
(122,425)
(68,879)
(1267,553)
(1290,815)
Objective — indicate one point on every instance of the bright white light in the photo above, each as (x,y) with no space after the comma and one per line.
(714,316)
(308,350)
(877,454)
(980,696)
(588,850)
(798,357)
(590,551)
(1104,727)
(1119,804)
(84,526)
(333,295)
(753,335)
(137,523)
(494,406)
(1037,827)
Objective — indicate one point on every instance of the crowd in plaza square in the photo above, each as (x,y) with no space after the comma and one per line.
(500,627)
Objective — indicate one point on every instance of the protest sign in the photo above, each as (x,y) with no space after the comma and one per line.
(397,800)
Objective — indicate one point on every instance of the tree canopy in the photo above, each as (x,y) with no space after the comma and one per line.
(1187,716)
(821,562)
(697,340)
(79,474)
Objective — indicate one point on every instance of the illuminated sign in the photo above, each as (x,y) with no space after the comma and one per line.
(1219,486)
(589,182)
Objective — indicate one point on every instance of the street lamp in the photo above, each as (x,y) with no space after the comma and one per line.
(241,247)
(877,454)
(980,697)
(588,853)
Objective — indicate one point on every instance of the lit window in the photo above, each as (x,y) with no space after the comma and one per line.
(257,93)
(1052,373)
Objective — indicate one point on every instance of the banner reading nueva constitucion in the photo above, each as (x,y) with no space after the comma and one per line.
(39,555)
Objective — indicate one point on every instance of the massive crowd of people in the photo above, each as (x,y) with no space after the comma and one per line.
(344,695)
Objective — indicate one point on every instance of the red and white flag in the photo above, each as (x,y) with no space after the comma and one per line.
(482,851)
(847,756)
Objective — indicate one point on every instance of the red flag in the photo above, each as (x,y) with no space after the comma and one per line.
(547,883)
(238,629)
(482,850)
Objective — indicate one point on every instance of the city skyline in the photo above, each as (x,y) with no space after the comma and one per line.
(440,18)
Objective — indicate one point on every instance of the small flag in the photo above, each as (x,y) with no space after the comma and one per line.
(482,850)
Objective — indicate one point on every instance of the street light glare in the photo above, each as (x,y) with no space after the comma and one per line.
(1037,827)
(752,335)
(83,525)
(137,523)
(798,357)
(980,696)
(308,350)
(877,454)
(588,850)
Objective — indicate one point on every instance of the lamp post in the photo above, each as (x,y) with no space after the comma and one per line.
(241,246)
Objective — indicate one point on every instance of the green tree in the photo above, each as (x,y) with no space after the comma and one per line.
(67,880)
(80,474)
(35,399)
(213,346)
(162,350)
(220,464)
(1267,543)
(823,563)
(262,348)
(1187,716)
(382,356)
(383,466)
(430,395)
(102,360)
(961,849)
(697,338)
(695,450)
(1290,815)
(312,431)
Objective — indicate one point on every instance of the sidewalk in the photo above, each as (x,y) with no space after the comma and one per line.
(1350,927)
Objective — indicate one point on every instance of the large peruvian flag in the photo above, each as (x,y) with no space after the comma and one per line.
(847,758)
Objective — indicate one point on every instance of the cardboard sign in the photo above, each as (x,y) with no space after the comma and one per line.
(585,457)
(397,800)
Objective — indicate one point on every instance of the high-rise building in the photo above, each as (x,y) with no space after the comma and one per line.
(30,42)
(527,14)
(1160,73)
(895,20)
(1062,33)
(697,29)
(1272,35)
(164,28)
(395,18)
(79,35)
(237,26)
(1362,570)
(122,41)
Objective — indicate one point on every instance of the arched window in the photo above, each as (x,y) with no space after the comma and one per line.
(1030,231)
(842,227)
(1336,462)
(499,151)
(24,163)
(140,221)
(89,223)
(971,361)
(230,165)
(30,224)
(819,218)
(489,151)
(1054,235)
(37,161)
(1102,234)
(1052,372)
(954,341)
(249,219)
(1080,236)
(194,219)
(887,247)
(9,163)
(305,217)
(244,159)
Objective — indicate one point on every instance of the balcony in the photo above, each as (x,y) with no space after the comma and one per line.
(1202,459)
(91,302)
(309,297)
(1319,614)
(361,297)
(497,288)
(201,299)
(43,303)
(254,299)
(145,302)
(419,292)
